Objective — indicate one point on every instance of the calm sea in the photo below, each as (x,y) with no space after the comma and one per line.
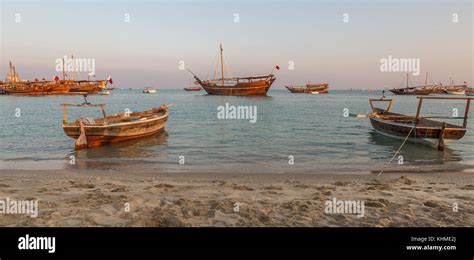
(309,130)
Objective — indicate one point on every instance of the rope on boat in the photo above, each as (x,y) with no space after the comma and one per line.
(399,149)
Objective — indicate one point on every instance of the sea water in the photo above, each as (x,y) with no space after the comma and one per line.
(292,133)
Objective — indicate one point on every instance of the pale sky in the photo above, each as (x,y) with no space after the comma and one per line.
(311,34)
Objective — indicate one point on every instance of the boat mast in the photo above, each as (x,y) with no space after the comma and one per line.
(15,77)
(64,74)
(222,64)
(72,57)
(426,79)
(407,80)
(10,76)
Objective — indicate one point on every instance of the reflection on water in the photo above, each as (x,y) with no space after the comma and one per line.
(415,153)
(116,154)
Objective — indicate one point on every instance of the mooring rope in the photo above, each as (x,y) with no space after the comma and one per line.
(400,148)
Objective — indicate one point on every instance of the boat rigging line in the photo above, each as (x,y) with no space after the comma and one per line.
(399,149)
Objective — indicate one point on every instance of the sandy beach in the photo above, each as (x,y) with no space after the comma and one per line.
(116,199)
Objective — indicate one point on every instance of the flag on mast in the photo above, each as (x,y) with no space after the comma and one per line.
(109,79)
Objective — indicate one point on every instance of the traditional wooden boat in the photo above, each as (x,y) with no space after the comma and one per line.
(15,86)
(419,90)
(310,88)
(451,89)
(411,91)
(26,88)
(416,128)
(94,132)
(455,92)
(470,92)
(86,86)
(193,88)
(455,89)
(238,86)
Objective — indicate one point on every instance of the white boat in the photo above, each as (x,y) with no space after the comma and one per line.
(456,92)
(149,91)
(104,93)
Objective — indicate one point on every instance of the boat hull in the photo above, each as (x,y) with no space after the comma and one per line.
(99,135)
(193,89)
(455,92)
(418,93)
(307,90)
(255,88)
(420,134)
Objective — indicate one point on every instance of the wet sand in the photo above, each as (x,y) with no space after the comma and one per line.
(110,198)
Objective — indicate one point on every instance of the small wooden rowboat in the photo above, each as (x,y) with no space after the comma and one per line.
(322,88)
(193,88)
(416,128)
(94,132)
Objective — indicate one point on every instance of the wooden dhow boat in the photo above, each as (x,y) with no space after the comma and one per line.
(94,132)
(14,86)
(416,128)
(419,90)
(238,86)
(455,89)
(310,88)
(470,92)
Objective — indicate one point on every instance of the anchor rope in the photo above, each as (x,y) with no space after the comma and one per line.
(400,148)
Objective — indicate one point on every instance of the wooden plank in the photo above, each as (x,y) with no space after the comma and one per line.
(466,112)
(418,111)
(449,98)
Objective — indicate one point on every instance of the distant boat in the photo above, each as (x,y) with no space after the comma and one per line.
(193,88)
(419,90)
(239,86)
(417,128)
(451,89)
(310,88)
(104,93)
(94,132)
(470,92)
(149,91)
(455,92)
(15,86)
